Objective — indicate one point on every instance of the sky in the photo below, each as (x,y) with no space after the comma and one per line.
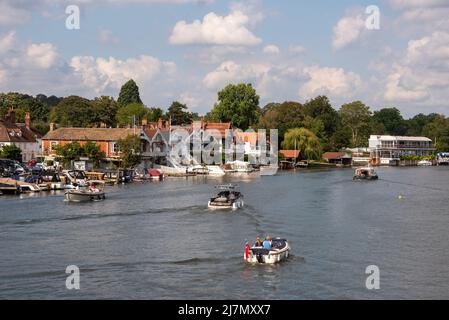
(187,50)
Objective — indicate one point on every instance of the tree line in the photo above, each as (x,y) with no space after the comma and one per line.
(313,126)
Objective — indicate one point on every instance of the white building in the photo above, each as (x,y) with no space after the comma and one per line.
(22,135)
(387,150)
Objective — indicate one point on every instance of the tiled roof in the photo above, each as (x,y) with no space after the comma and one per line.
(17,132)
(222,127)
(92,134)
(333,155)
(290,153)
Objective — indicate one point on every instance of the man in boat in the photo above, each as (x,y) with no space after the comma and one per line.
(267,244)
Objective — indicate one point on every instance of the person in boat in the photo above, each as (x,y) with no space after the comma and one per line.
(258,242)
(93,188)
(267,244)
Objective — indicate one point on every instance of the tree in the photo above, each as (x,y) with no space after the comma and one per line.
(305,141)
(93,152)
(69,152)
(130,151)
(11,152)
(129,93)
(154,114)
(132,112)
(320,108)
(438,131)
(237,104)
(105,109)
(356,116)
(391,120)
(284,116)
(73,111)
(179,114)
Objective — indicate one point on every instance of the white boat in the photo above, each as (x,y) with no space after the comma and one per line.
(84,196)
(279,252)
(239,166)
(198,170)
(228,198)
(366,173)
(215,171)
(425,163)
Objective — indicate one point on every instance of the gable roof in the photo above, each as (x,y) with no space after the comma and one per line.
(333,155)
(91,134)
(17,132)
(221,127)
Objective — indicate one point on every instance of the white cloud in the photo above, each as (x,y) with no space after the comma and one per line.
(191,100)
(42,55)
(401,4)
(330,81)
(11,14)
(348,30)
(214,29)
(231,72)
(271,49)
(101,73)
(7,42)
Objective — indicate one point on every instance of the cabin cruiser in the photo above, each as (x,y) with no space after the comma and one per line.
(86,195)
(366,173)
(228,198)
(75,177)
(280,251)
(216,171)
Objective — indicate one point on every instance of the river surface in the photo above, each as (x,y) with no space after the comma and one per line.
(159,240)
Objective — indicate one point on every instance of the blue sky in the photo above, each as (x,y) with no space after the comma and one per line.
(289,50)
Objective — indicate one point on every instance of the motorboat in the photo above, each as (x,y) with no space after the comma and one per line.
(228,197)
(239,166)
(366,173)
(425,163)
(155,174)
(280,251)
(216,171)
(198,170)
(84,195)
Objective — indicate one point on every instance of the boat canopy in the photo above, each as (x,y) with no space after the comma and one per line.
(227,187)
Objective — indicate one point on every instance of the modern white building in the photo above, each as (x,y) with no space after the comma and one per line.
(387,150)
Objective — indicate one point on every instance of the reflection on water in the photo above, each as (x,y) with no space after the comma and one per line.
(159,241)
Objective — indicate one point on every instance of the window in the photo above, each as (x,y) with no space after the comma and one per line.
(53,145)
(115,147)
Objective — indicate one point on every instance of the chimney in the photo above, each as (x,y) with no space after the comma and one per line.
(202,123)
(159,123)
(27,121)
(52,127)
(12,115)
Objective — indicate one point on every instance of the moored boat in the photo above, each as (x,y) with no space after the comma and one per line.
(425,163)
(366,173)
(280,251)
(228,198)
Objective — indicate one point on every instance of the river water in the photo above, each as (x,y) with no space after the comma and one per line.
(159,240)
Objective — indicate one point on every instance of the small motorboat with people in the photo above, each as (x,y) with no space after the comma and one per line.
(366,173)
(270,251)
(229,197)
(92,193)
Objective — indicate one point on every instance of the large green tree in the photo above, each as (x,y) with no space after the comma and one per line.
(69,152)
(132,112)
(282,116)
(321,109)
(73,111)
(305,141)
(356,116)
(237,104)
(438,131)
(179,114)
(11,152)
(105,110)
(129,93)
(389,121)
(130,151)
